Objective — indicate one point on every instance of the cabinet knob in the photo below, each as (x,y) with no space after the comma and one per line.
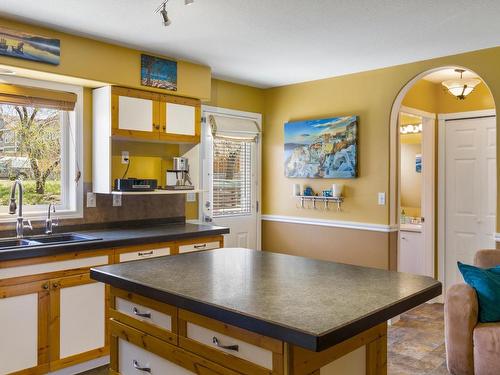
(55,285)
(45,286)
(157,127)
(164,128)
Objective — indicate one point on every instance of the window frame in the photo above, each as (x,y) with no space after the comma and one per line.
(71,155)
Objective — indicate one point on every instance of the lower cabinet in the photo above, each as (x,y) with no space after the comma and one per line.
(24,328)
(77,320)
(134,352)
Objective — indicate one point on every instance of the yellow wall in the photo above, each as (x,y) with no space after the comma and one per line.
(370,95)
(98,61)
(235,96)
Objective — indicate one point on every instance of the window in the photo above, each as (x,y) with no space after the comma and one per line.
(232,177)
(38,146)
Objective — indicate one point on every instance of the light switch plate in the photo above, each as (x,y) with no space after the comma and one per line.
(91,199)
(191,197)
(381,199)
(117,200)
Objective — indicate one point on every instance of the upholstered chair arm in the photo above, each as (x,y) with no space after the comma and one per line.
(460,318)
(487,258)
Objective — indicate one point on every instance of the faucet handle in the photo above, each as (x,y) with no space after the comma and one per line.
(27,224)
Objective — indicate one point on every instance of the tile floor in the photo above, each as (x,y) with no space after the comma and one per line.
(415,344)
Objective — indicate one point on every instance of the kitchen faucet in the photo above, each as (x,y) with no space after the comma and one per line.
(49,222)
(20,223)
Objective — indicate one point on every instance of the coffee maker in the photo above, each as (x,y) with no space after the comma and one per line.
(178,177)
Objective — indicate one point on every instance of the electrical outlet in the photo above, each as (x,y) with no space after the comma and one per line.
(381,199)
(191,197)
(117,200)
(91,199)
(125,157)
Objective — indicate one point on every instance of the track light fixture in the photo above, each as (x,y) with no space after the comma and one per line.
(162,9)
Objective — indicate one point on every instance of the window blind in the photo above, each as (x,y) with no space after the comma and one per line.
(37,97)
(232,177)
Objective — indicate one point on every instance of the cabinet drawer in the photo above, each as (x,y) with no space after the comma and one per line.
(198,246)
(131,348)
(144,254)
(241,350)
(153,317)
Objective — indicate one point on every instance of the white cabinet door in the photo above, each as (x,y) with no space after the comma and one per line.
(180,119)
(135,114)
(411,257)
(19,330)
(82,318)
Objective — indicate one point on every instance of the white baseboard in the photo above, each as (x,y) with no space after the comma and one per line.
(81,367)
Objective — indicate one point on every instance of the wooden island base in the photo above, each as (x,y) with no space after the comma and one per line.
(157,338)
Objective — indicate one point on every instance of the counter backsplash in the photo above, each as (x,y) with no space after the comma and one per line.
(133,208)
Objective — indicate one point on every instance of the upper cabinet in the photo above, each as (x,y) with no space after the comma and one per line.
(145,115)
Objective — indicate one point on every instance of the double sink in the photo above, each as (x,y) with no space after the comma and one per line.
(50,239)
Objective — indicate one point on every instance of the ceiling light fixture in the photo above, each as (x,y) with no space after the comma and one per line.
(411,129)
(162,9)
(460,87)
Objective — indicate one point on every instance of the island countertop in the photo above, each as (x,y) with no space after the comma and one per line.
(310,303)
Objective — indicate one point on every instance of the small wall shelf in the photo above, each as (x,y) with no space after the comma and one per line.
(325,201)
(156,192)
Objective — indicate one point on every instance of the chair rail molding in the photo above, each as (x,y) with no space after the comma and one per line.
(332,223)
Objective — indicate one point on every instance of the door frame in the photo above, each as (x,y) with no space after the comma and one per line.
(257,117)
(442,118)
(428,183)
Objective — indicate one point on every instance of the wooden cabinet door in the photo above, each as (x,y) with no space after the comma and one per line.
(135,114)
(24,328)
(180,120)
(77,320)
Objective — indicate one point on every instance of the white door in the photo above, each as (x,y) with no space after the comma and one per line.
(470,191)
(231,179)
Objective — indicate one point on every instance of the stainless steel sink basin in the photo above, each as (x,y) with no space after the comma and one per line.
(43,240)
(14,242)
(61,238)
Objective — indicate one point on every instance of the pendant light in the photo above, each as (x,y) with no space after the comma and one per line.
(460,87)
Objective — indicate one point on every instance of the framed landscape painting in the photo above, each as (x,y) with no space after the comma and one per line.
(324,148)
(158,72)
(31,47)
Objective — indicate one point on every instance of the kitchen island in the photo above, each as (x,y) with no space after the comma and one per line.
(244,311)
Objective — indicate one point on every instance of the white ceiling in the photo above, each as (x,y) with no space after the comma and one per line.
(269,43)
(445,74)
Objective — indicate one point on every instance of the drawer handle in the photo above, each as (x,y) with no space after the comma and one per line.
(145,254)
(215,340)
(200,246)
(142,315)
(138,367)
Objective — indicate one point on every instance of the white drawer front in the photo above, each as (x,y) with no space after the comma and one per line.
(144,254)
(199,246)
(130,355)
(155,317)
(246,351)
(36,269)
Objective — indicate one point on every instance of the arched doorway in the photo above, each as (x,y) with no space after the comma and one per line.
(440,214)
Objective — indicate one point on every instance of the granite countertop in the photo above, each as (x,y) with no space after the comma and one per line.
(113,237)
(311,303)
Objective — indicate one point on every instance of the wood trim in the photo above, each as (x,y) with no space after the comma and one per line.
(274,345)
(376,357)
(54,325)
(78,358)
(43,327)
(21,289)
(305,362)
(54,258)
(171,353)
(113,351)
